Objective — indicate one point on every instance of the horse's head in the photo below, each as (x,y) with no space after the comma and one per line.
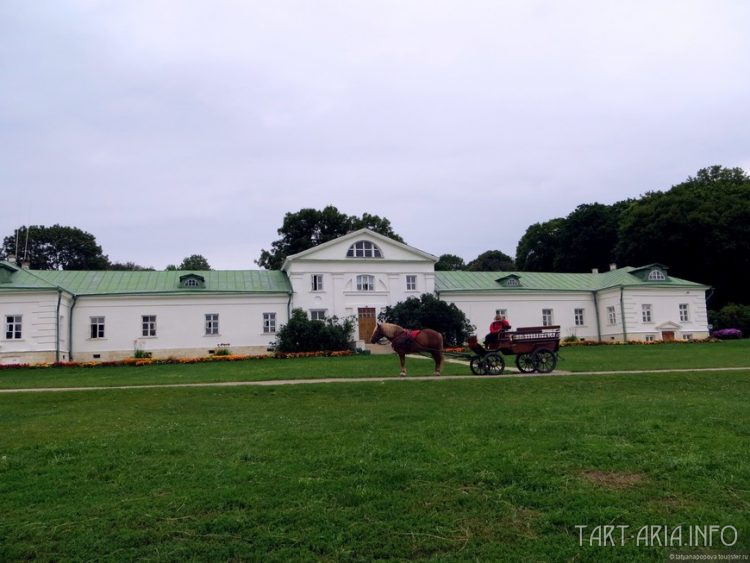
(377,334)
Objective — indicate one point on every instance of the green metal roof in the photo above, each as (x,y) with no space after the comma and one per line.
(545,281)
(145,282)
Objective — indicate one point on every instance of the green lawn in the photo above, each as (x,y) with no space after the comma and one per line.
(575,359)
(452,470)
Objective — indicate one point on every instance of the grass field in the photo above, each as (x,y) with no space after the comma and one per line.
(454,470)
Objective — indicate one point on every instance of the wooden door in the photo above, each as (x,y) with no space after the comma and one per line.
(366,318)
(667,335)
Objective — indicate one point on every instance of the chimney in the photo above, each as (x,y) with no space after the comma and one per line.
(11,258)
(612,266)
(25,264)
(594,270)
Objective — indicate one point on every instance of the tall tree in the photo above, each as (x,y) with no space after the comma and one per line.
(700,229)
(449,263)
(588,237)
(193,262)
(492,261)
(538,247)
(310,227)
(56,248)
(128,267)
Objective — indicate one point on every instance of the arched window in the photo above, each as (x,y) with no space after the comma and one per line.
(656,275)
(364,249)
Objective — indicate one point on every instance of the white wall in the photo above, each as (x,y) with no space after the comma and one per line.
(525,309)
(180,324)
(38,310)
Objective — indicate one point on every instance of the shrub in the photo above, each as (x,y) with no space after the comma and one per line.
(428,311)
(727,333)
(301,334)
(731,316)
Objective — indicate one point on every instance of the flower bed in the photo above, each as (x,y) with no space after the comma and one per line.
(167,361)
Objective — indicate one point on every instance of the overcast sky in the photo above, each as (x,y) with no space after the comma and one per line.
(175,127)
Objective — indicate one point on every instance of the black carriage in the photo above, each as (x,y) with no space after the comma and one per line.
(535,349)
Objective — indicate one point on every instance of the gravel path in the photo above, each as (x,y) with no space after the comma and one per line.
(267,383)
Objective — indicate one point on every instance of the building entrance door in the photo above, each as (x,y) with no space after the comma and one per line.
(366,319)
(667,336)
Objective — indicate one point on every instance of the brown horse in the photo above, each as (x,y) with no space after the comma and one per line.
(411,341)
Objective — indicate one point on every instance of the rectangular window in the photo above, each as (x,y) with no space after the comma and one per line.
(687,336)
(13,327)
(317,282)
(97,327)
(578,316)
(611,315)
(646,313)
(212,324)
(269,322)
(684,316)
(650,338)
(148,325)
(317,314)
(503,312)
(411,283)
(365,282)
(546,317)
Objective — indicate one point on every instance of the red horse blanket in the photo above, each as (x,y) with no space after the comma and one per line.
(405,338)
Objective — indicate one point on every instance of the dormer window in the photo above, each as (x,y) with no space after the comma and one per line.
(364,249)
(656,275)
(510,281)
(192,281)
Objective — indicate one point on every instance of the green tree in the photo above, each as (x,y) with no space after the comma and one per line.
(492,261)
(699,228)
(128,267)
(732,316)
(301,334)
(310,227)
(56,248)
(193,262)
(588,237)
(450,263)
(538,247)
(428,311)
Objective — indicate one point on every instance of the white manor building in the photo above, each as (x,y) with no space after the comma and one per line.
(106,315)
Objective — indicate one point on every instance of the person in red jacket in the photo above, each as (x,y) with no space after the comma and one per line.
(497,328)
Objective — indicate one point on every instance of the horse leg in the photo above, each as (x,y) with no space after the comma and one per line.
(402,357)
(438,357)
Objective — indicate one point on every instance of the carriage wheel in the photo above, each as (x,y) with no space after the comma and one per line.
(525,363)
(477,368)
(545,360)
(493,364)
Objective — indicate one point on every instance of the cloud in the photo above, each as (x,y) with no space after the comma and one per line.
(170,128)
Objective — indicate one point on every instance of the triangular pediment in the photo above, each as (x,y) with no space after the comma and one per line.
(363,245)
(669,325)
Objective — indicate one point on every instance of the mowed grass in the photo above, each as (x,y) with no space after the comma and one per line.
(572,359)
(453,470)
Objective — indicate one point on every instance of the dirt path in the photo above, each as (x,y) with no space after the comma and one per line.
(267,383)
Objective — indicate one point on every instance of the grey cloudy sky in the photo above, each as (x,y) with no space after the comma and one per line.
(173,127)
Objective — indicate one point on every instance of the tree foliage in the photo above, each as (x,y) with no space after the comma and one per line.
(56,248)
(128,267)
(301,334)
(194,262)
(538,247)
(492,261)
(449,263)
(310,227)
(699,228)
(731,316)
(428,311)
